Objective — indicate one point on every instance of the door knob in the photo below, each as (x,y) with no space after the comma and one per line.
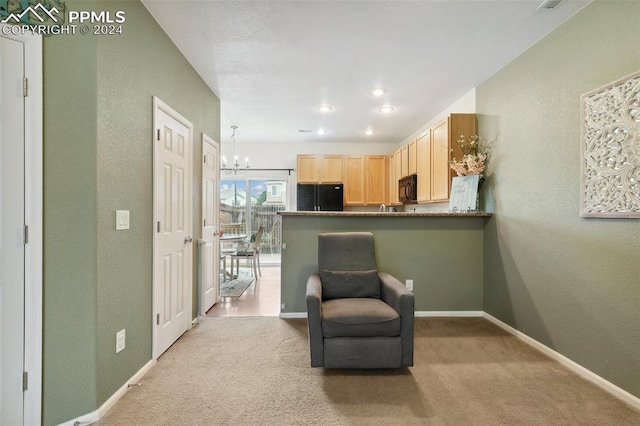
(187,240)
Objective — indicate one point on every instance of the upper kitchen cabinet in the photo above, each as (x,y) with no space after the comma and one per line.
(320,169)
(444,148)
(392,180)
(413,158)
(423,166)
(404,161)
(407,160)
(365,180)
(354,182)
(376,179)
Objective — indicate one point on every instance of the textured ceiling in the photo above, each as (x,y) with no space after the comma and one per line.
(272,63)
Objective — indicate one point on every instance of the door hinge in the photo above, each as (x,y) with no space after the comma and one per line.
(158,227)
(205,159)
(158,134)
(25,234)
(25,87)
(205,222)
(157,319)
(25,381)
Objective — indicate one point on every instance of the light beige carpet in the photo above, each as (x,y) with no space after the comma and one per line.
(255,371)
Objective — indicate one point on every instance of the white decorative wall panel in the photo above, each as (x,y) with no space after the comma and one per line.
(611,150)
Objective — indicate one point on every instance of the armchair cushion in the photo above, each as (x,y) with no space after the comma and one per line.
(341,284)
(359,317)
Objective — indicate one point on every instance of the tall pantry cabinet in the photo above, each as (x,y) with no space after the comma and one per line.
(444,148)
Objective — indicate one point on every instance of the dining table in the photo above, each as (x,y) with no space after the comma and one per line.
(229,238)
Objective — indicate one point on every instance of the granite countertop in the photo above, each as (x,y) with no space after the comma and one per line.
(386,214)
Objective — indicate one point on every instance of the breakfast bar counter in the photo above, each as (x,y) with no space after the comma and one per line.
(441,252)
(385,214)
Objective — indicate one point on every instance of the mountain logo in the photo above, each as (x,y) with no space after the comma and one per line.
(33,14)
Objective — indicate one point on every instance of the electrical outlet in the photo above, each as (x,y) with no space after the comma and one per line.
(120,340)
(409,284)
(283,306)
(284,246)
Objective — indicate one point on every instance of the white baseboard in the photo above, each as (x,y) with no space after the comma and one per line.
(94,416)
(571,365)
(87,419)
(286,315)
(461,314)
(123,389)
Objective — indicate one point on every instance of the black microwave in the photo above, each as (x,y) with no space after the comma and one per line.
(408,189)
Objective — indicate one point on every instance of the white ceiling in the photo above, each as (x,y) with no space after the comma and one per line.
(272,63)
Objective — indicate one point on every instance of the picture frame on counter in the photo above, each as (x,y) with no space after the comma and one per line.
(464,194)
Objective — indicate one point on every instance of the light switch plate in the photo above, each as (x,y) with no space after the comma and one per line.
(122,220)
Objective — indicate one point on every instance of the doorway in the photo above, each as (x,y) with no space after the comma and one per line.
(246,204)
(21,229)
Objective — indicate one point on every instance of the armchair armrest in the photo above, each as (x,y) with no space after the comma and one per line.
(403,301)
(314,320)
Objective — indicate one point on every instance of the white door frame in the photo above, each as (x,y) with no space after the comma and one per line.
(158,105)
(33,218)
(208,238)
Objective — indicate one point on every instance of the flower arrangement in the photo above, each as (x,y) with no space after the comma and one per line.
(475,153)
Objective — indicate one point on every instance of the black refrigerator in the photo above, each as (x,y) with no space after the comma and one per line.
(320,197)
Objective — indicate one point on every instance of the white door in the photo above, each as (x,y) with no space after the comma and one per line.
(12,218)
(210,246)
(172,281)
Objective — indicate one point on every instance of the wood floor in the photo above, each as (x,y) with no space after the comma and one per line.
(261,299)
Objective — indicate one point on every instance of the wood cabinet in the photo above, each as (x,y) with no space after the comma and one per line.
(396,176)
(392,191)
(423,166)
(404,161)
(444,148)
(412,158)
(320,169)
(376,179)
(407,160)
(365,180)
(354,173)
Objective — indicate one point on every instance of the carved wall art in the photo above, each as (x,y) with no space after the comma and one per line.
(610,154)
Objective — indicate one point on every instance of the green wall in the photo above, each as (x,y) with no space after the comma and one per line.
(443,256)
(98,159)
(569,282)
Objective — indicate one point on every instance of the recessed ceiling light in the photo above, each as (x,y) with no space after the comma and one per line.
(368,132)
(377,92)
(325,108)
(321,131)
(385,109)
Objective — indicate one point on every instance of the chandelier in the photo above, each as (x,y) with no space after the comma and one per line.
(235,166)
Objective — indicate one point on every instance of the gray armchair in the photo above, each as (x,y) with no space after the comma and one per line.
(357,317)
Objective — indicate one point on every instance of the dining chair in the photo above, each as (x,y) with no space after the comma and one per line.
(250,252)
